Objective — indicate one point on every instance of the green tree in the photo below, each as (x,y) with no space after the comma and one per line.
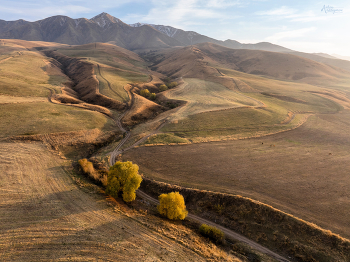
(172,205)
(163,88)
(123,177)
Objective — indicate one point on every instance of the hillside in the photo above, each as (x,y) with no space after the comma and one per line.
(325,59)
(200,61)
(193,38)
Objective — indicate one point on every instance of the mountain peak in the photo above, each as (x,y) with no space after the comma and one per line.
(105,20)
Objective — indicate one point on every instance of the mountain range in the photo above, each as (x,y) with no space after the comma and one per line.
(108,29)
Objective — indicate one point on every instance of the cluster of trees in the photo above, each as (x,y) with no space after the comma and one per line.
(146,93)
(123,178)
(172,84)
(166,86)
(152,96)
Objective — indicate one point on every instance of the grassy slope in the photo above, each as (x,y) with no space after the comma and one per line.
(117,65)
(117,79)
(17,78)
(203,118)
(19,81)
(44,117)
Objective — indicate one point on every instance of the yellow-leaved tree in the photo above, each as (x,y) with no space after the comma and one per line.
(123,177)
(172,205)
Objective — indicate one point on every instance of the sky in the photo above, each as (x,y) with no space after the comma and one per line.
(307,26)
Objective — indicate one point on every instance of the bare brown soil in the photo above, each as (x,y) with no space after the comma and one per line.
(45,216)
(303,172)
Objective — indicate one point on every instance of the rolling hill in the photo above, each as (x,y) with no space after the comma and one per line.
(202,60)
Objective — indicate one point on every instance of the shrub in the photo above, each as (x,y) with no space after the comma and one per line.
(88,168)
(152,96)
(163,88)
(144,92)
(212,232)
(172,84)
(172,205)
(171,105)
(123,177)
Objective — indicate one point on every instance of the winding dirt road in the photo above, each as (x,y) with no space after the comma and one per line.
(229,233)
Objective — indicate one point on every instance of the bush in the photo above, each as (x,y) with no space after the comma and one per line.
(88,168)
(212,232)
(152,96)
(163,88)
(172,205)
(123,177)
(172,84)
(145,92)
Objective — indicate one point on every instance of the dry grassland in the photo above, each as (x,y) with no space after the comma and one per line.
(304,172)
(118,66)
(204,96)
(19,79)
(16,99)
(45,117)
(46,216)
(117,79)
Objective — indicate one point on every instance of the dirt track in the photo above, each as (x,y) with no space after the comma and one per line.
(228,233)
(44,216)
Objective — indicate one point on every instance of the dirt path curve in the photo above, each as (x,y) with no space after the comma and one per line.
(45,216)
(228,233)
